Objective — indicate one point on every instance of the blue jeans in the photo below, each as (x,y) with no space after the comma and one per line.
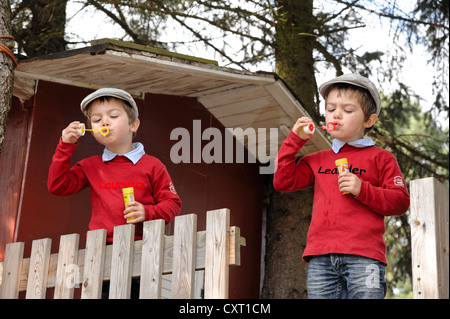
(341,276)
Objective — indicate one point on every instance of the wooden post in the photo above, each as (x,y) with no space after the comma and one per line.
(430,239)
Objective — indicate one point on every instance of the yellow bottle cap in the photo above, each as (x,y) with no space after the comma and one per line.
(128,190)
(341,161)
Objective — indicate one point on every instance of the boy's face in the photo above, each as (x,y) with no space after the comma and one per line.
(343,109)
(113,115)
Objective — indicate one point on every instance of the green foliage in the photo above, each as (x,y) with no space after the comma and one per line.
(420,144)
(398,242)
(38,26)
(433,35)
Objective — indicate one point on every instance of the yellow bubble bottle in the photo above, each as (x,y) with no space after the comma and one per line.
(128,196)
(342,165)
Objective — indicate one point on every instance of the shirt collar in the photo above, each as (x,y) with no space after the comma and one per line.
(361,143)
(134,156)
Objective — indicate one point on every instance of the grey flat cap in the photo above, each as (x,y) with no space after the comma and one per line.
(357,80)
(117,93)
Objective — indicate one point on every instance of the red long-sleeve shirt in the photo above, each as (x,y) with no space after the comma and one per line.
(344,223)
(152,185)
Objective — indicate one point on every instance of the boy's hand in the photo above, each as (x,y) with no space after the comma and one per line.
(349,182)
(298,128)
(70,134)
(134,209)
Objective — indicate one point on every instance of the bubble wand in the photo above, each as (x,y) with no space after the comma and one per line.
(103,130)
(309,129)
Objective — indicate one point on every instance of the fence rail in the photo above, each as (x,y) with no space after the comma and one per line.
(214,250)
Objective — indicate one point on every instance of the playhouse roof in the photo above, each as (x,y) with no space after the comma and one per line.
(238,99)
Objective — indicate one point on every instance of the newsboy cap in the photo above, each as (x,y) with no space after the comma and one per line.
(357,80)
(112,92)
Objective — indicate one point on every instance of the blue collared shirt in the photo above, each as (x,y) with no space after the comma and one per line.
(134,155)
(361,143)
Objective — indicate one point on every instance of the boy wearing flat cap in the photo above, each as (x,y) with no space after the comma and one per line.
(345,247)
(123,164)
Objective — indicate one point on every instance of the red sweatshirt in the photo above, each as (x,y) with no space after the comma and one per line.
(152,185)
(344,223)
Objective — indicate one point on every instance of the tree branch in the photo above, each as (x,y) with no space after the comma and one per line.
(393,143)
(147,7)
(239,11)
(201,38)
(122,23)
(329,57)
(395,17)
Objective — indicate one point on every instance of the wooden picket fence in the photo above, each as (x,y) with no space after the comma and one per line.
(188,250)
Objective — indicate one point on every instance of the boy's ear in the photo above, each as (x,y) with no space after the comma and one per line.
(135,125)
(371,121)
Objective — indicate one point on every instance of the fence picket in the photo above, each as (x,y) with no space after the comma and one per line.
(217,253)
(11,270)
(152,260)
(156,254)
(38,269)
(122,262)
(65,272)
(94,258)
(183,268)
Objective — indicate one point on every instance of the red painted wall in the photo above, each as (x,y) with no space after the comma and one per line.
(12,163)
(201,186)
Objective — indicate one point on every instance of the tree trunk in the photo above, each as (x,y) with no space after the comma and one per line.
(6,68)
(289,214)
(294,45)
(288,218)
